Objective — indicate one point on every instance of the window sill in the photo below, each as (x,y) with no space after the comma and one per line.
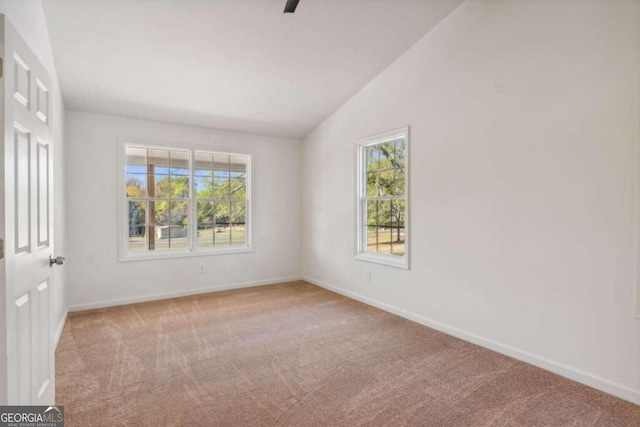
(185,254)
(388,260)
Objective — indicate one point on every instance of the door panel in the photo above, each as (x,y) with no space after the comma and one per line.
(23,345)
(28,223)
(23,189)
(21,81)
(42,348)
(42,99)
(43,194)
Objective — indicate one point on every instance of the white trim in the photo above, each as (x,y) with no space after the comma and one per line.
(636,235)
(168,295)
(150,256)
(589,379)
(59,329)
(388,260)
(360,252)
(193,251)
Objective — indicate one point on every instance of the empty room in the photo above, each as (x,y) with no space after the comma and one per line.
(320,213)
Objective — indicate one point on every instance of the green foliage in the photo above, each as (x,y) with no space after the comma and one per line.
(171,212)
(226,200)
(134,188)
(386,178)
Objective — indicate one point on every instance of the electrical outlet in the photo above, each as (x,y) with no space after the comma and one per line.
(367,275)
(201,268)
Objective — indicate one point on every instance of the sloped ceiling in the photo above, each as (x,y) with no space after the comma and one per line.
(229,64)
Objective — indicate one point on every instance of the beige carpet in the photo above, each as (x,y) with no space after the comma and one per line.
(297,355)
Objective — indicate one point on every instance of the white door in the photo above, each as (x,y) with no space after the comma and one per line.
(28,222)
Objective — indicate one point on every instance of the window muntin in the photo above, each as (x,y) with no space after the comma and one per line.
(382,199)
(167,190)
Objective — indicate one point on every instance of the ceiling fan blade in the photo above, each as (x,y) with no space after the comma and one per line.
(291,5)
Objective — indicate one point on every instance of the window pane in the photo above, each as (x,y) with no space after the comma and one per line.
(372,212)
(205,216)
(398,243)
(136,169)
(179,162)
(205,213)
(373,157)
(137,227)
(384,240)
(386,182)
(136,185)
(397,231)
(238,188)
(370,228)
(160,186)
(238,166)
(204,161)
(372,239)
(384,224)
(222,229)
(204,187)
(372,184)
(238,234)
(221,188)
(159,213)
(159,161)
(179,213)
(158,238)
(399,183)
(179,186)
(238,213)
(221,165)
(222,235)
(399,153)
(136,160)
(387,151)
(177,230)
(222,212)
(205,235)
(173,233)
(384,213)
(398,209)
(179,239)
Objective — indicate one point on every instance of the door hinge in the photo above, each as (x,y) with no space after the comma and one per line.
(1,67)
(1,248)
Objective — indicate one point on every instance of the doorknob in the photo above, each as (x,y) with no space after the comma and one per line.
(59,260)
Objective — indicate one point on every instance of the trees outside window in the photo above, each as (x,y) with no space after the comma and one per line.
(168,190)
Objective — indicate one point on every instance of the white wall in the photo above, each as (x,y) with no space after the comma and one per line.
(28,18)
(96,278)
(524,141)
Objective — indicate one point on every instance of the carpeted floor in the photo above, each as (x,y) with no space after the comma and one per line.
(296,355)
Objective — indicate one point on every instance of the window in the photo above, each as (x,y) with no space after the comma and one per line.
(382,204)
(181,201)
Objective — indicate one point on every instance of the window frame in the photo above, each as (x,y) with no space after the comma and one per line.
(361,198)
(124,255)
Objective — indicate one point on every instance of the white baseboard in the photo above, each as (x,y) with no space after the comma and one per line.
(60,328)
(167,295)
(603,384)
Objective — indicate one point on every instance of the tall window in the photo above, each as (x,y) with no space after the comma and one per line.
(182,201)
(382,198)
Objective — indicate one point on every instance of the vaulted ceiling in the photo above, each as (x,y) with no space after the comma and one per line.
(229,64)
